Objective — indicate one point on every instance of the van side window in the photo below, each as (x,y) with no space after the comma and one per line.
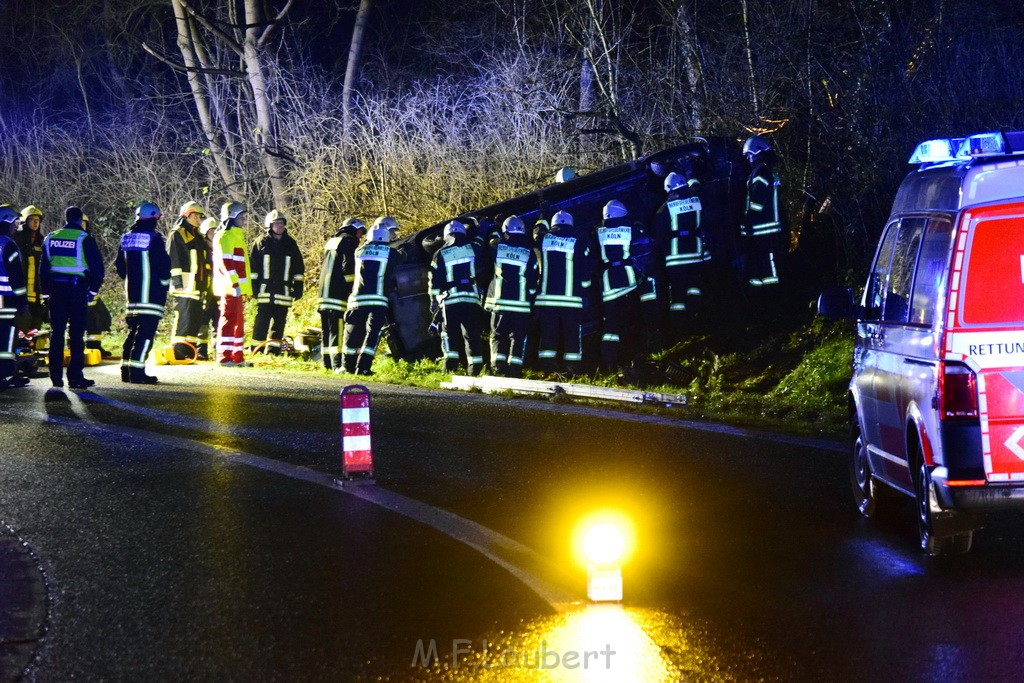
(896,306)
(932,267)
(874,290)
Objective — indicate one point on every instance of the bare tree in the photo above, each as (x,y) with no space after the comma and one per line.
(352,68)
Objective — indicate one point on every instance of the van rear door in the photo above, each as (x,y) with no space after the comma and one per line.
(985,329)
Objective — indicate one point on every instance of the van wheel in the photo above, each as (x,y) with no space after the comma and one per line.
(957,544)
(865,490)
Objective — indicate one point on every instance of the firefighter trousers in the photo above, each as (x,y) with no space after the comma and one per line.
(231,333)
(561,329)
(684,283)
(761,259)
(269,317)
(363,329)
(8,366)
(138,343)
(620,315)
(508,342)
(331,322)
(463,328)
(188,322)
(68,314)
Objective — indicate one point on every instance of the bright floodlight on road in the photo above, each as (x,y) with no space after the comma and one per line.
(604,542)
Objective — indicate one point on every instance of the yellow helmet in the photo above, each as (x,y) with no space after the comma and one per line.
(191,207)
(31,210)
(207,225)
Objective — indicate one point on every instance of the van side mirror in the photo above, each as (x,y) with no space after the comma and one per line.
(836,303)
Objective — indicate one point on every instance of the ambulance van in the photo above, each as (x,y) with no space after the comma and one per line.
(937,394)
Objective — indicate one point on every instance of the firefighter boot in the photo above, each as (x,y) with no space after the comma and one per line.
(139,376)
(350,363)
(126,374)
(203,351)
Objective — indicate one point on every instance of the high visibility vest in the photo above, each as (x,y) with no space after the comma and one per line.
(63,249)
(371,269)
(686,246)
(619,276)
(510,288)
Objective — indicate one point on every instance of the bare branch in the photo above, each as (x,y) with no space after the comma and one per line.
(274,24)
(208,25)
(181,68)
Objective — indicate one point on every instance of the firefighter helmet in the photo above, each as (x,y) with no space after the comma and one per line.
(614,209)
(147,210)
(208,224)
(454,228)
(380,234)
(30,210)
(274,215)
(190,208)
(514,225)
(674,181)
(565,174)
(353,222)
(562,218)
(231,210)
(8,214)
(386,222)
(755,145)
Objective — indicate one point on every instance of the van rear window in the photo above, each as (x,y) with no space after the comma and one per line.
(994,273)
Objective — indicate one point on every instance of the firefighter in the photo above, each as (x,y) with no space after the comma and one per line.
(210,309)
(145,267)
(566,269)
(231,283)
(676,228)
(190,279)
(761,233)
(510,297)
(29,238)
(71,273)
(98,319)
(337,272)
(278,278)
(620,279)
(368,307)
(13,299)
(453,287)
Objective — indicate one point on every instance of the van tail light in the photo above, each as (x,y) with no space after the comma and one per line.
(958,393)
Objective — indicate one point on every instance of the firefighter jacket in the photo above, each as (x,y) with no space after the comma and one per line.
(454,271)
(30,244)
(516,276)
(278,271)
(338,270)
(12,279)
(615,239)
(566,268)
(676,227)
(230,262)
(190,262)
(70,256)
(762,216)
(143,264)
(375,266)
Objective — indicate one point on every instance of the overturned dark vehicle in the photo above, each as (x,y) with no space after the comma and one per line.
(718,164)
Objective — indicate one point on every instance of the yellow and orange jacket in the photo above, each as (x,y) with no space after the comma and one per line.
(230,262)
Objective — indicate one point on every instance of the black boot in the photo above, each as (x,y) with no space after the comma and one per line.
(139,376)
(126,374)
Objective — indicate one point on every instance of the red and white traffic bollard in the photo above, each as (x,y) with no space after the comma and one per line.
(356,453)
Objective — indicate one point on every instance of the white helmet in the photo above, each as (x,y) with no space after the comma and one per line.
(386,222)
(8,214)
(147,210)
(514,225)
(231,210)
(274,215)
(354,223)
(562,218)
(614,209)
(564,174)
(674,181)
(756,145)
(380,234)
(454,228)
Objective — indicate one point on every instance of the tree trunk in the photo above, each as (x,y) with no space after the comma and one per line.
(265,134)
(352,68)
(750,60)
(692,67)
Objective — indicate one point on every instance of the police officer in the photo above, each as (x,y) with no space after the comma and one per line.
(29,238)
(231,282)
(190,279)
(510,297)
(369,309)
(71,272)
(566,270)
(761,233)
(676,228)
(616,236)
(337,273)
(145,267)
(278,278)
(453,286)
(12,298)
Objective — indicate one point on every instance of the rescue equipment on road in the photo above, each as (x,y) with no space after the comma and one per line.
(356,452)
(165,355)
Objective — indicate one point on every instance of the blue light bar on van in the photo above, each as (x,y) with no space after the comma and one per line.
(980,144)
(945,150)
(934,152)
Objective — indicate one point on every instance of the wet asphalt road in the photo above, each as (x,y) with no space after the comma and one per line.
(168,555)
